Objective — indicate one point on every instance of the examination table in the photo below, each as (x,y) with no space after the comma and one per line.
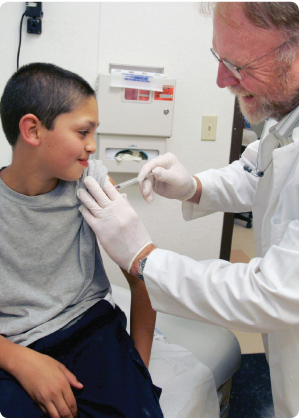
(191,361)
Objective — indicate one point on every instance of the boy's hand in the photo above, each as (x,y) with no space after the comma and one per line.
(48,383)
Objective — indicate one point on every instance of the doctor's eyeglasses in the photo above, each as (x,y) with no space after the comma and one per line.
(236,70)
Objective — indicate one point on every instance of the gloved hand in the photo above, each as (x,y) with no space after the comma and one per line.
(114,221)
(170,180)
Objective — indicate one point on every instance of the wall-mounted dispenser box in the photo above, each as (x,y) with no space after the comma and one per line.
(136,106)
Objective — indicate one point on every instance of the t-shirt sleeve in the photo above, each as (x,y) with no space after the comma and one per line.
(97,170)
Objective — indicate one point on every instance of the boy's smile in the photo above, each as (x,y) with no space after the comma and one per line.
(84,162)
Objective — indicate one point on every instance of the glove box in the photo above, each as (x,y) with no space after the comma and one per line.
(128,153)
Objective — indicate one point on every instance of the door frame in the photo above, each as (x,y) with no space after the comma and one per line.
(235,152)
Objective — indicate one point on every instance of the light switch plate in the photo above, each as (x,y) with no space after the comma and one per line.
(209,127)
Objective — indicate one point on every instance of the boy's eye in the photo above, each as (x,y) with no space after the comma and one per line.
(84,132)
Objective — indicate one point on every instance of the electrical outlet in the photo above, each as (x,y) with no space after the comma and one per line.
(209,127)
(34,26)
(34,14)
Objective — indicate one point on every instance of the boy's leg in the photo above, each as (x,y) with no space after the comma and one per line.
(98,350)
(14,401)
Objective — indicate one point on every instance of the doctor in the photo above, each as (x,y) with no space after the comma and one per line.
(256,45)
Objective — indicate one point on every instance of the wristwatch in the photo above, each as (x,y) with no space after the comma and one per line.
(141,268)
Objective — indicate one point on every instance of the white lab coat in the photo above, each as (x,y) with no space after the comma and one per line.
(261,296)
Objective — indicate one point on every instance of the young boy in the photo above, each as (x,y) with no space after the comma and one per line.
(64,350)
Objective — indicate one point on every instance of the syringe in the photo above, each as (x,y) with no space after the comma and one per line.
(132,181)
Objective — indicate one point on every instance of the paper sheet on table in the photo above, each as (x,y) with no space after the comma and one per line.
(137,79)
(188,386)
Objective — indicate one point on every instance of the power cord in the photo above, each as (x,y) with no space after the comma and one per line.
(20,40)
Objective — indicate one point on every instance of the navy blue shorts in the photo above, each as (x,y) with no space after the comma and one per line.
(100,353)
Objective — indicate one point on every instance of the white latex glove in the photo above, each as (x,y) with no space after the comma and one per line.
(170,180)
(114,221)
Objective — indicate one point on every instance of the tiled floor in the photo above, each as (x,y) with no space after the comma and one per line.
(242,250)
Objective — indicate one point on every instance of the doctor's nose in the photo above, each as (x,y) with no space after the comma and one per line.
(225,77)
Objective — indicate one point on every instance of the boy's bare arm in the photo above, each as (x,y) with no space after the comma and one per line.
(142,317)
(47,381)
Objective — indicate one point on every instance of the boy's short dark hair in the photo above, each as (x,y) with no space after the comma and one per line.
(44,90)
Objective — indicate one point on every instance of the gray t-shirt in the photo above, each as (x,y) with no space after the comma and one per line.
(51,269)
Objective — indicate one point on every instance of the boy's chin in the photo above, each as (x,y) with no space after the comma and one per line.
(71,178)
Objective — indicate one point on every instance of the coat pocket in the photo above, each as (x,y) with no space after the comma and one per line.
(278,230)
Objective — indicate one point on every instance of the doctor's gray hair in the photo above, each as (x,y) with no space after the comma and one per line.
(283,16)
(44,90)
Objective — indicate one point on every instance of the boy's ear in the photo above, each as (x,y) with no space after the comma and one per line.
(30,129)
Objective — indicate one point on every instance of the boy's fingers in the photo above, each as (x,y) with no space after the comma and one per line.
(51,410)
(62,408)
(70,402)
(73,381)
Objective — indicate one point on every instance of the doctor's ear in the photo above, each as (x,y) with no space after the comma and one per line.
(30,129)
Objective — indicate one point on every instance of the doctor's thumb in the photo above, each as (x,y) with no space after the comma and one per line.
(161,174)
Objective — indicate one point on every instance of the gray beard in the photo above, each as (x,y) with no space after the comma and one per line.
(269,109)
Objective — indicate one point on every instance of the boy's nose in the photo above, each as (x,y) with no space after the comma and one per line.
(91,146)
(225,77)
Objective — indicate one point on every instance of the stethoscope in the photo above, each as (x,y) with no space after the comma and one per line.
(255,171)
(281,132)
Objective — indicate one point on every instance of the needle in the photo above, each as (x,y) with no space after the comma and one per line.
(132,181)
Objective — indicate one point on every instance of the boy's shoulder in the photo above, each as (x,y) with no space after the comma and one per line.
(97,170)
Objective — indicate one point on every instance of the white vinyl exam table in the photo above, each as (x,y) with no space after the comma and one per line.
(191,361)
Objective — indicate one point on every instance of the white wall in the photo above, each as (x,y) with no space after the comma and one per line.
(86,37)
